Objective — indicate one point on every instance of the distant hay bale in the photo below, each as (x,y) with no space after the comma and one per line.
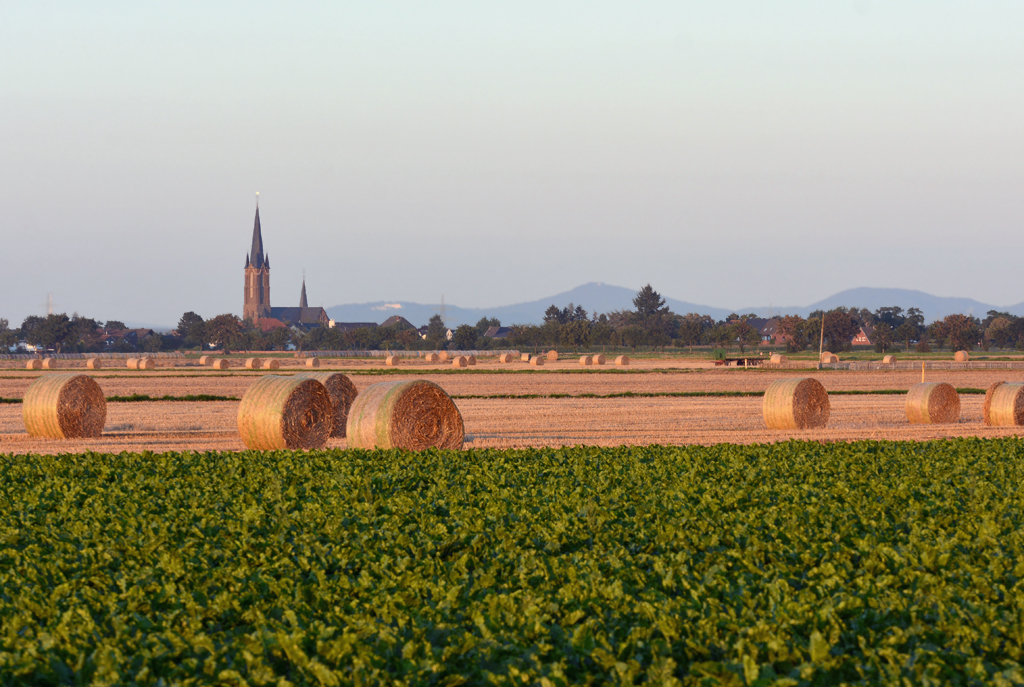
(49,364)
(206,360)
(312,362)
(253,363)
(341,391)
(888,359)
(271,364)
(220,364)
(1004,405)
(432,357)
(146,364)
(94,363)
(285,413)
(932,403)
(962,357)
(622,360)
(34,364)
(586,360)
(537,360)
(65,406)
(552,355)
(471,359)
(133,363)
(598,359)
(392,361)
(413,415)
(505,358)
(800,403)
(443,356)
(778,358)
(460,361)
(827,357)
(525,357)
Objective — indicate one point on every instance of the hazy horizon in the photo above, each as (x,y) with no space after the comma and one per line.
(728,154)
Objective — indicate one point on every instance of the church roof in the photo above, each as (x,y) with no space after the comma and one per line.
(298,315)
(256,257)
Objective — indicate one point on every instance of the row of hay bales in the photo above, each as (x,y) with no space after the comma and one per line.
(802,403)
(276,412)
(442,357)
(599,359)
(828,357)
(144,363)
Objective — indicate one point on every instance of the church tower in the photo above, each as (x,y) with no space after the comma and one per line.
(257,276)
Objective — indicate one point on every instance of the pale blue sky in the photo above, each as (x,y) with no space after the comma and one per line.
(732,153)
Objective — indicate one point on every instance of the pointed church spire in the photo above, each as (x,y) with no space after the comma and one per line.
(256,254)
(302,298)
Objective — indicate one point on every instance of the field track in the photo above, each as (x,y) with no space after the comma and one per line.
(519,422)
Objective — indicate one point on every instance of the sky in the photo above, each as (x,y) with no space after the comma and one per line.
(733,153)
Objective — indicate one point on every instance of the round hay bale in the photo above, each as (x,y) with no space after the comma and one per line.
(206,360)
(962,357)
(987,406)
(622,360)
(146,364)
(413,415)
(133,363)
(460,361)
(431,357)
(538,360)
(552,356)
(220,364)
(271,364)
(313,362)
(285,412)
(253,363)
(443,356)
(341,391)
(888,359)
(598,359)
(800,403)
(471,359)
(1004,404)
(525,357)
(34,364)
(778,358)
(932,403)
(827,357)
(94,363)
(505,358)
(391,361)
(65,406)
(49,364)
(586,360)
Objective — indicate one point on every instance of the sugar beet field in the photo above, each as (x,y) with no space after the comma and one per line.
(606,526)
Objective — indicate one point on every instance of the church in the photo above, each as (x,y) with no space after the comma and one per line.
(256,305)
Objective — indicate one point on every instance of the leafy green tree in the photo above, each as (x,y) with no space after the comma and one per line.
(882,336)
(464,337)
(8,337)
(962,331)
(744,334)
(408,338)
(692,328)
(794,332)
(906,333)
(575,333)
(279,338)
(114,324)
(632,335)
(484,324)
(649,302)
(1000,332)
(53,331)
(840,328)
(223,329)
(152,343)
(85,332)
(436,332)
(191,329)
(892,316)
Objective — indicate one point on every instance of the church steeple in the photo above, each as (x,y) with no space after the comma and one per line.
(256,303)
(256,254)
(302,298)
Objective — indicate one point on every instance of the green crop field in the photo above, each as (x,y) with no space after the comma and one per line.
(796,563)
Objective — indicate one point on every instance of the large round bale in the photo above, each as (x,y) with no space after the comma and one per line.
(800,403)
(552,355)
(94,363)
(827,357)
(525,357)
(285,412)
(341,391)
(586,360)
(431,357)
(932,403)
(312,362)
(471,359)
(133,363)
(778,358)
(460,361)
(622,360)
(537,360)
(64,406)
(443,356)
(220,364)
(49,364)
(271,364)
(505,358)
(598,359)
(146,364)
(962,357)
(392,361)
(253,363)
(987,406)
(1004,405)
(34,364)
(888,359)
(413,415)
(206,360)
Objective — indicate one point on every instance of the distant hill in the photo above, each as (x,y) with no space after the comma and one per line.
(603,298)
